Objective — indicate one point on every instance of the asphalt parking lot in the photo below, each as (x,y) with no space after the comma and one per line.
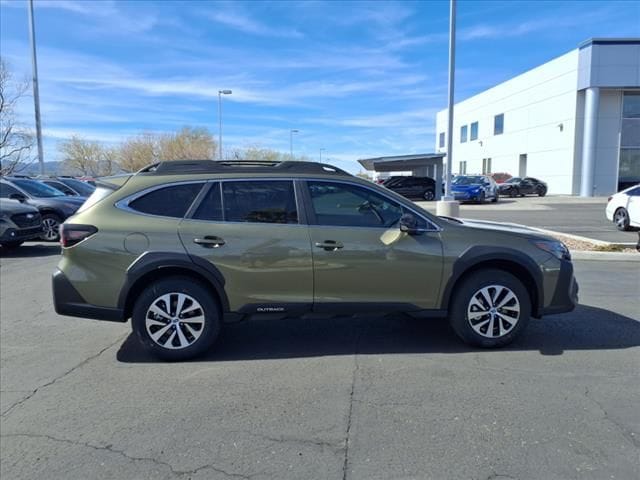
(366,398)
(574,215)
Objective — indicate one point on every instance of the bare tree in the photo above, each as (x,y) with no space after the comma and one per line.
(188,143)
(138,152)
(16,141)
(86,157)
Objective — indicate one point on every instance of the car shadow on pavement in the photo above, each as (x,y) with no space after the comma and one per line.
(586,328)
(31,250)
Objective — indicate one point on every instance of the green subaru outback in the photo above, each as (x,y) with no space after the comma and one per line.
(182,247)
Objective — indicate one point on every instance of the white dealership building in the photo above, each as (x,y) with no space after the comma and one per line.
(573,122)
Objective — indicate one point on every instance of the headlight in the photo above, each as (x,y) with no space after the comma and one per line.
(554,247)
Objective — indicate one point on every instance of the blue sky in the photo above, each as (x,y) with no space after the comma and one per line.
(358,79)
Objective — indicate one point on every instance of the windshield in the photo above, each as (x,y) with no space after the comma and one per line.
(82,188)
(513,180)
(38,189)
(468,180)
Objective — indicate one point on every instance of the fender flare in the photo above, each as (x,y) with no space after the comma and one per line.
(157,261)
(480,254)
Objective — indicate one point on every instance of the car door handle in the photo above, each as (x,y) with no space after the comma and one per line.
(209,241)
(330,245)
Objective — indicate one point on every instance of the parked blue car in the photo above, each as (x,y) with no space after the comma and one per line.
(475,188)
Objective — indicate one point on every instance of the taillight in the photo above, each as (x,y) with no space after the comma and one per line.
(71,234)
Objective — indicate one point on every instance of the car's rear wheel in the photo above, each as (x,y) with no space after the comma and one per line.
(51,227)
(490,308)
(176,318)
(429,195)
(621,219)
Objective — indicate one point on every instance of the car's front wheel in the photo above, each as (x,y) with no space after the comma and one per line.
(490,308)
(176,318)
(621,219)
(542,191)
(51,227)
(429,195)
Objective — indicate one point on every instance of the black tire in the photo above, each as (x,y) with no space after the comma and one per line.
(51,225)
(12,245)
(461,304)
(429,195)
(542,192)
(621,219)
(513,192)
(495,198)
(481,198)
(208,332)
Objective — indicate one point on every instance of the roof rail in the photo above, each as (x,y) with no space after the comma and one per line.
(176,167)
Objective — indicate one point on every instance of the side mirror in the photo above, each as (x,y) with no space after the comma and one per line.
(18,196)
(409,224)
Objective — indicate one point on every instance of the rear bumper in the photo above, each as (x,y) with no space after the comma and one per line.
(67,301)
(565,297)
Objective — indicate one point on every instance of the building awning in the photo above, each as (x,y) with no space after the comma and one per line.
(401,162)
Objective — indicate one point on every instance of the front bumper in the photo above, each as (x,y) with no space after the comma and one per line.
(20,234)
(565,296)
(67,301)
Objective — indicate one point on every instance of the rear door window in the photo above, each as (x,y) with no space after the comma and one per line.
(170,201)
(260,201)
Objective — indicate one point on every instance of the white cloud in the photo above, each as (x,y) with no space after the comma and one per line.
(246,24)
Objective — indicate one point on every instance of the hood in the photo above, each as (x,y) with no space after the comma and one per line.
(67,204)
(12,207)
(502,227)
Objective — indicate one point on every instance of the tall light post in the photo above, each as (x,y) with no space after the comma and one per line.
(448,206)
(220,93)
(36,91)
(291,132)
(321,154)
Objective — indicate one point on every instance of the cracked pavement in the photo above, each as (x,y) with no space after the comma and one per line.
(364,398)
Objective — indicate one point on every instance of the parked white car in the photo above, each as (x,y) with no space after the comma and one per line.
(623,208)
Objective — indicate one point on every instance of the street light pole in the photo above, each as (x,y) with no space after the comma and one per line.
(321,154)
(36,91)
(291,132)
(452,68)
(448,207)
(220,93)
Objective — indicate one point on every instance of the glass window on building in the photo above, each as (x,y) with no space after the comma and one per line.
(486,166)
(463,134)
(474,131)
(462,170)
(629,166)
(498,124)
(441,140)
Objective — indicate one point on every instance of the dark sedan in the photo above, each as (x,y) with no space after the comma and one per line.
(54,206)
(412,187)
(519,187)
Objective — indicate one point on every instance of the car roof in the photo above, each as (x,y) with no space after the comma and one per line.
(185,167)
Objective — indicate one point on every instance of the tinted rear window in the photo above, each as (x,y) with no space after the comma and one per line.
(259,201)
(171,201)
(211,206)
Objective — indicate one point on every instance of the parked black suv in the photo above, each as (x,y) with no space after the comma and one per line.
(54,206)
(412,187)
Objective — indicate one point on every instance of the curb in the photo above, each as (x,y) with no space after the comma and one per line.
(579,238)
(605,256)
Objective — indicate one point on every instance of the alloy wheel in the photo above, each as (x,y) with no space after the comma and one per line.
(620,218)
(493,311)
(175,320)
(51,227)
